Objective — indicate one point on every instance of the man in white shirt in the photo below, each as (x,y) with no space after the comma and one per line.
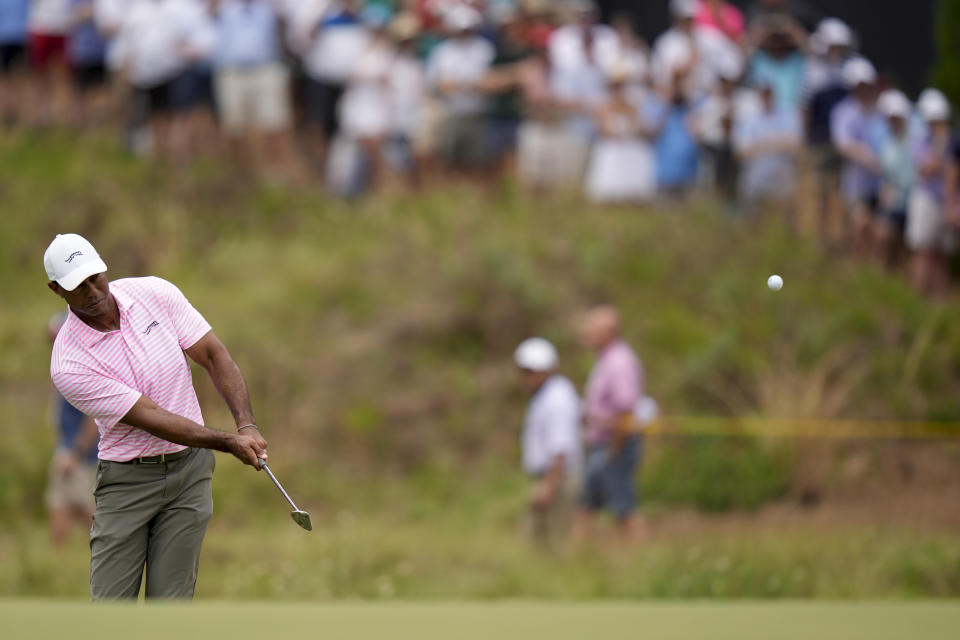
(551,437)
(454,70)
(156,43)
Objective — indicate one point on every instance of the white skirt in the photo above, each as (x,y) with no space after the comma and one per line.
(621,170)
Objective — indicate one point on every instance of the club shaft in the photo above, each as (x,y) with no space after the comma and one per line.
(263,465)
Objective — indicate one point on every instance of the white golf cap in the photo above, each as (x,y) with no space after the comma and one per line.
(536,354)
(832,32)
(70,259)
(893,104)
(933,105)
(858,71)
(683,8)
(462,18)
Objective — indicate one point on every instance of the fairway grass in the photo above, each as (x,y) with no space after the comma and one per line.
(876,620)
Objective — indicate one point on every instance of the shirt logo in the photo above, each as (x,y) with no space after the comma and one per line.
(74,255)
(150,327)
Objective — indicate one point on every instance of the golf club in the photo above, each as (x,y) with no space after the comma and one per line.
(299,516)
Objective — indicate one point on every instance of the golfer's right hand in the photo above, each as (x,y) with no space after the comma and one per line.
(248,448)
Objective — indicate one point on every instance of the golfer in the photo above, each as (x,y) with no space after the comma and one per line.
(119,358)
(551,438)
(613,433)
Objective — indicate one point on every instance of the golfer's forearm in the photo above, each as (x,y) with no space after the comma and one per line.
(147,415)
(229,381)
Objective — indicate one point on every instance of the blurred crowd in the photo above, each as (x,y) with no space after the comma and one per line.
(728,101)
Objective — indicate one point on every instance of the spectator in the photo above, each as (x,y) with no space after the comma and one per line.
(715,120)
(779,58)
(677,50)
(928,235)
(48,24)
(583,41)
(551,438)
(407,95)
(897,173)
(154,48)
(506,105)
(722,16)
(70,484)
(253,85)
(613,439)
(824,89)
(544,144)
(622,165)
(365,108)
(195,85)
(854,125)
(454,72)
(677,153)
(331,39)
(634,54)
(767,144)
(798,11)
(86,50)
(13,58)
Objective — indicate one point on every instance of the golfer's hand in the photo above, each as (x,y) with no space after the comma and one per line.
(542,496)
(248,448)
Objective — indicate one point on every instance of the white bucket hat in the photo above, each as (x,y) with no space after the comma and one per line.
(70,259)
(536,354)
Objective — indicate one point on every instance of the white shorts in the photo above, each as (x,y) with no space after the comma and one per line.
(927,228)
(254,99)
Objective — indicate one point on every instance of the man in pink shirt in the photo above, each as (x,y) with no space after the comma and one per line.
(613,442)
(119,358)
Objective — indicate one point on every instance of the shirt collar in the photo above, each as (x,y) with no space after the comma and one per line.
(90,336)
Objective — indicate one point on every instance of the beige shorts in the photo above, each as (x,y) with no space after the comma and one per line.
(553,523)
(550,156)
(74,491)
(255,98)
(927,228)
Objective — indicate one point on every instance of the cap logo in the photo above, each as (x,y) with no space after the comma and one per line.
(74,255)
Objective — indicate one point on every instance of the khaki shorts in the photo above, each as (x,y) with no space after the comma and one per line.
(71,492)
(550,156)
(254,99)
(553,523)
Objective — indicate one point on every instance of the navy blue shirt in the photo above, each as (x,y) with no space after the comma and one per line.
(69,425)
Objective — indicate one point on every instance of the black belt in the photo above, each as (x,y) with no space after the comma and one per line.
(160,459)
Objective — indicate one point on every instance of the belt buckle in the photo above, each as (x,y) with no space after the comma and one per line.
(160,461)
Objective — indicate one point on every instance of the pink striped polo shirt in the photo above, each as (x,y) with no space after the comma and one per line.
(104,374)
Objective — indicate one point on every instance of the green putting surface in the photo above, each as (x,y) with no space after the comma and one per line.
(875,620)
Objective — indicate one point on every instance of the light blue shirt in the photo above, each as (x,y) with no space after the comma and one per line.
(771,173)
(850,123)
(13,21)
(247,34)
(896,159)
(785,77)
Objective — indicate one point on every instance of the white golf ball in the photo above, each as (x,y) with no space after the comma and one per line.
(775,282)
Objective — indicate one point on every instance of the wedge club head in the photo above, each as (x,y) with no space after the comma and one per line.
(299,516)
(302,518)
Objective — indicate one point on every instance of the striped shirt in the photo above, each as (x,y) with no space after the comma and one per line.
(104,374)
(614,387)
